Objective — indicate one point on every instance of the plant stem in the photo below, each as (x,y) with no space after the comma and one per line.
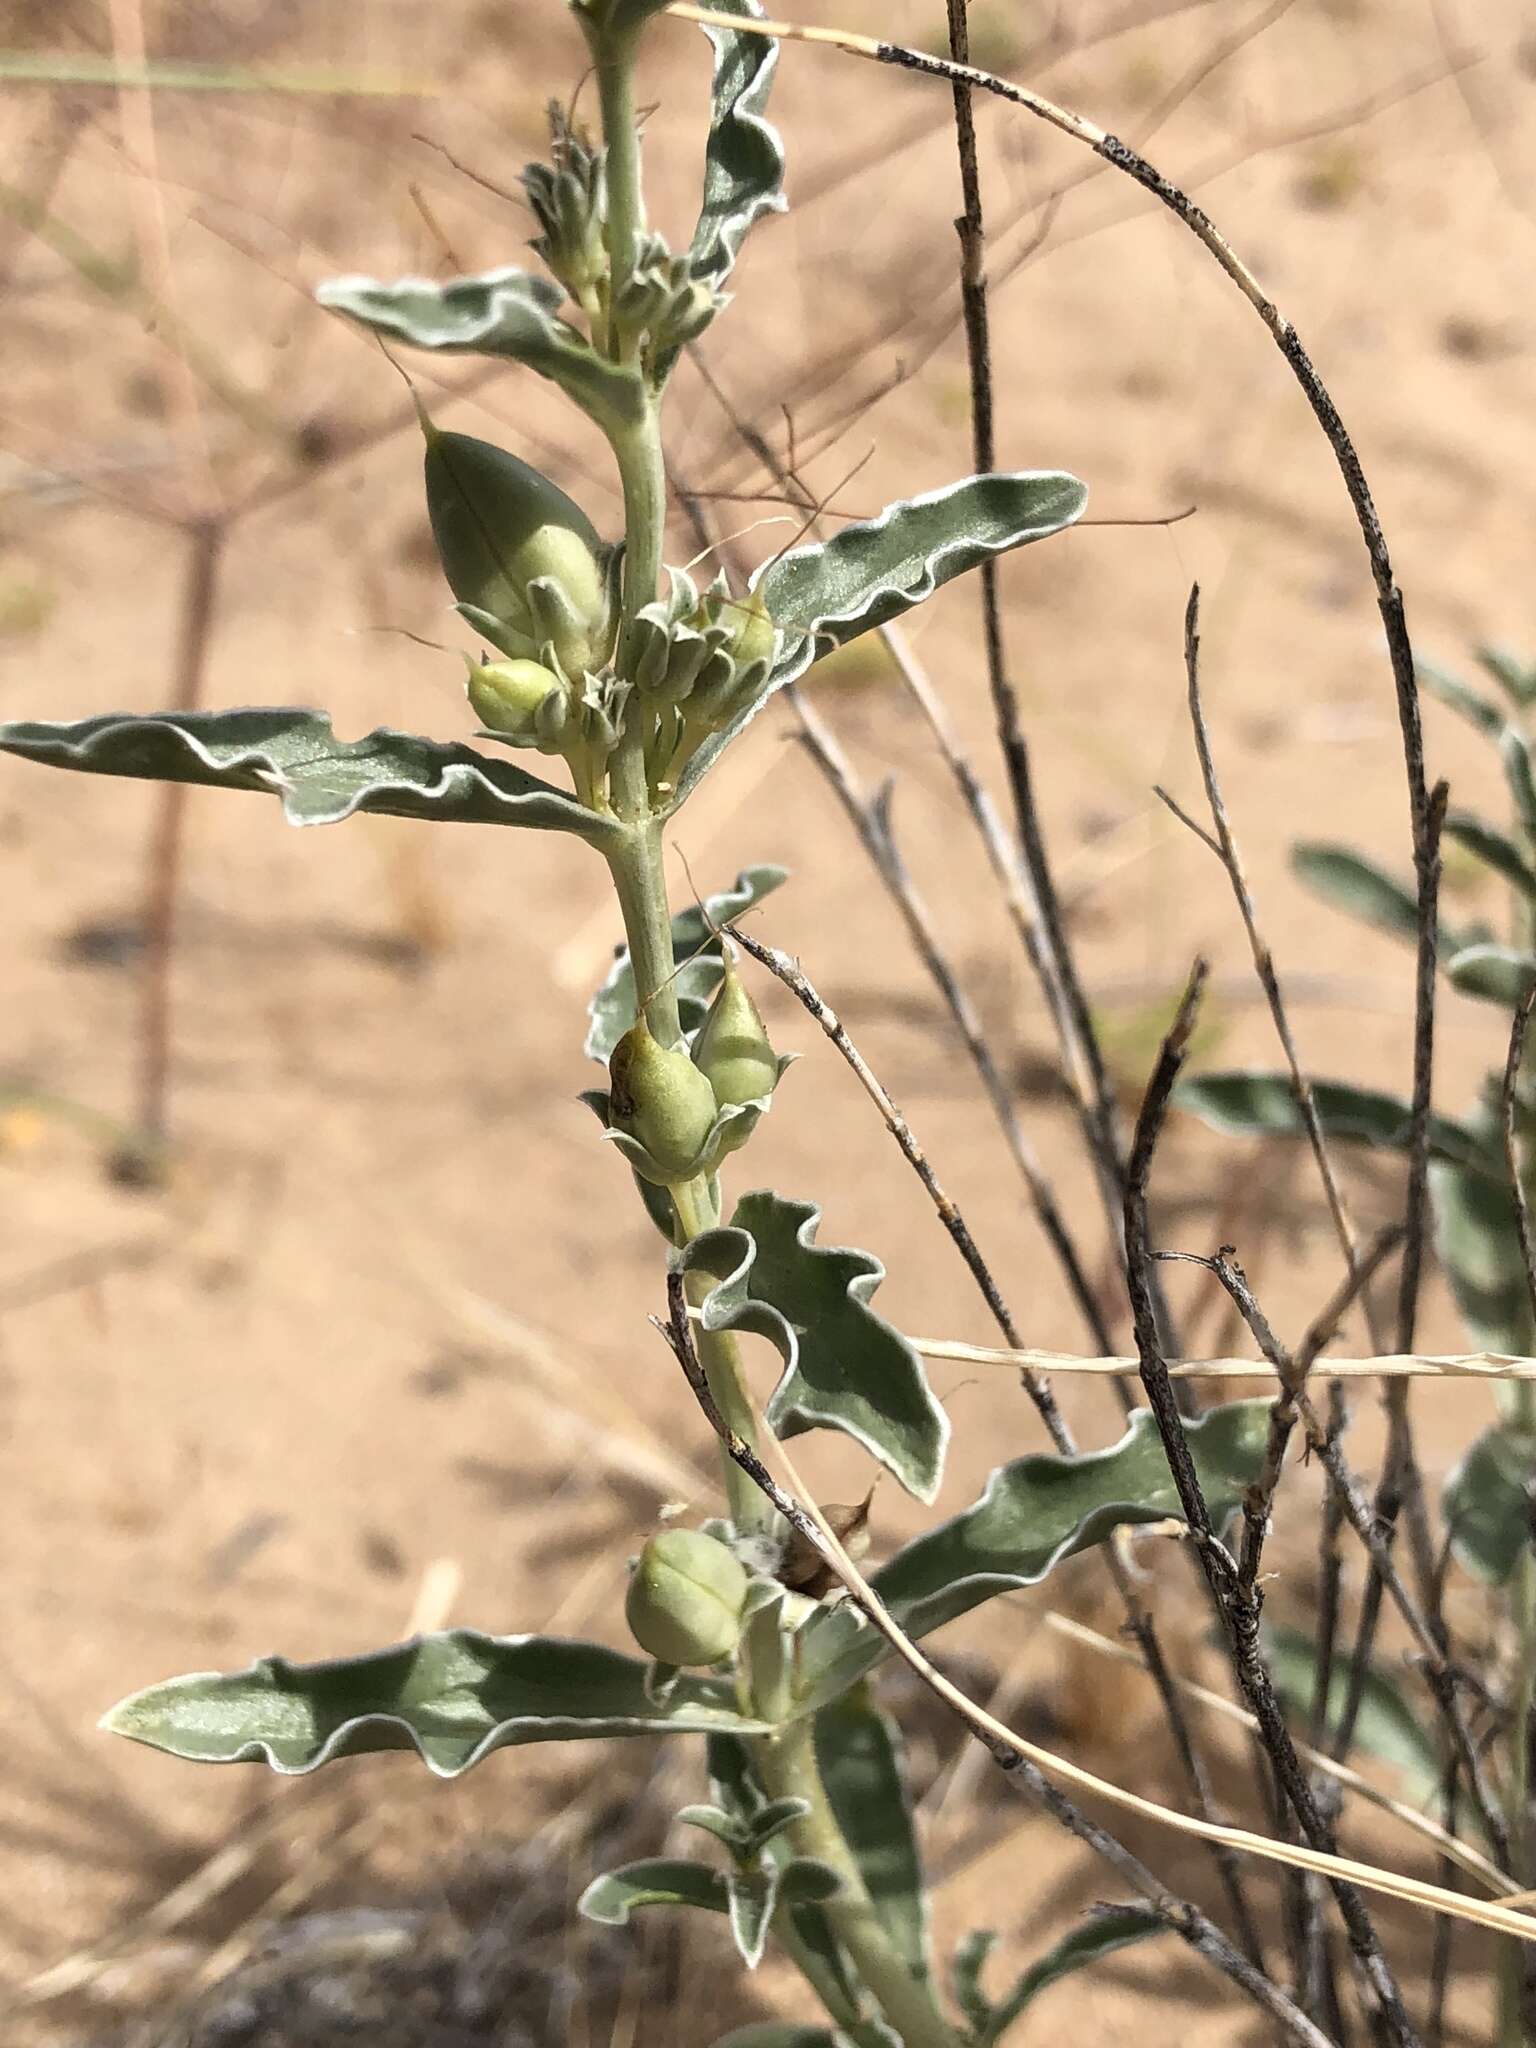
(635,863)
(787,1764)
(720,1355)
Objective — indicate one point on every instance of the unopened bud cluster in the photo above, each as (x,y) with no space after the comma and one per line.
(662,305)
(700,660)
(681,1113)
(569,198)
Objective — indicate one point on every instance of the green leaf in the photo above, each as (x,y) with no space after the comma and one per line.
(1350,882)
(696,954)
(1494,848)
(1479,1246)
(845,1368)
(509,312)
(1249,1104)
(1034,1512)
(1509,672)
(744,156)
(653,1881)
(970,1959)
(1468,704)
(1516,756)
(858,1757)
(452,1697)
(826,594)
(1386,1728)
(1107,1929)
(293,754)
(1488,1502)
(1495,974)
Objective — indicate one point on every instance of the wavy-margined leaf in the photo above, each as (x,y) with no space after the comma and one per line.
(845,1367)
(1386,1727)
(696,953)
(858,1756)
(452,1697)
(1107,1929)
(826,594)
(744,156)
(1479,1247)
(1494,848)
(293,754)
(1494,974)
(748,1897)
(1489,1501)
(508,312)
(1249,1104)
(1034,1512)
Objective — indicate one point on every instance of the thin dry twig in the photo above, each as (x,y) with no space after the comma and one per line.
(1237,1601)
(1475,1365)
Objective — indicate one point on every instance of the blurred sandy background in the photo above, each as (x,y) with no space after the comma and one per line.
(390,1309)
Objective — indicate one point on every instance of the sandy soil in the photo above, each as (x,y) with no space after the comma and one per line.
(390,1309)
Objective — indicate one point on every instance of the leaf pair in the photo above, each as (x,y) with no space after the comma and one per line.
(457,1696)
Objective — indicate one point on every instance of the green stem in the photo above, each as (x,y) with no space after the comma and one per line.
(613,52)
(635,862)
(720,1356)
(787,1765)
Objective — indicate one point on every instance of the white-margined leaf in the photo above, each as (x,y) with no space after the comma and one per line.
(744,156)
(1494,848)
(508,312)
(1034,1512)
(1479,1246)
(452,1697)
(294,755)
(1494,974)
(845,1367)
(826,593)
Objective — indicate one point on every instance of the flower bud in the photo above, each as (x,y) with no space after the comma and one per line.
(508,697)
(685,1599)
(754,633)
(731,1049)
(499,524)
(662,1101)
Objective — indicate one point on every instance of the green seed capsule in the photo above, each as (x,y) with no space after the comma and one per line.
(685,1599)
(507,696)
(662,1101)
(498,524)
(731,1050)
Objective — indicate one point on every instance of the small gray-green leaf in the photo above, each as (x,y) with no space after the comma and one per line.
(508,312)
(1034,1512)
(858,1757)
(1468,704)
(1352,883)
(293,754)
(714,1821)
(744,156)
(1494,974)
(452,1697)
(772,1819)
(845,1368)
(653,1881)
(752,1896)
(1386,1727)
(871,572)
(1516,756)
(1250,1104)
(1510,673)
(1488,1502)
(1479,1246)
(1107,1929)
(1494,848)
(695,953)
